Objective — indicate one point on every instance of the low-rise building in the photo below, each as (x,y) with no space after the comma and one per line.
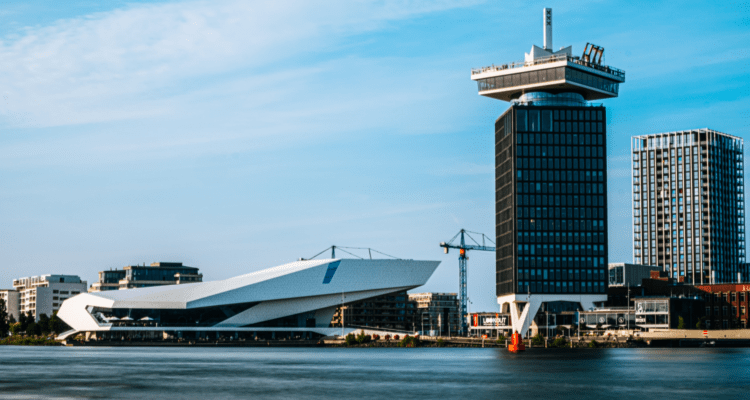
(45,294)
(392,311)
(624,274)
(12,302)
(138,276)
(490,324)
(436,313)
(726,305)
(654,312)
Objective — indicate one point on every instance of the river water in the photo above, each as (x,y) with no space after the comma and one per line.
(372,373)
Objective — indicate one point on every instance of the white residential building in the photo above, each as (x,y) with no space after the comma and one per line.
(12,305)
(45,294)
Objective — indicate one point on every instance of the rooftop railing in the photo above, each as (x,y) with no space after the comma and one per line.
(551,59)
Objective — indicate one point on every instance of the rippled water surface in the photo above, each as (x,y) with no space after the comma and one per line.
(372,373)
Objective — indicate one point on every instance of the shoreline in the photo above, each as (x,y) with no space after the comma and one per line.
(582,344)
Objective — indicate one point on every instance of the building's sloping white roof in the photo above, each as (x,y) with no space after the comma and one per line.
(288,289)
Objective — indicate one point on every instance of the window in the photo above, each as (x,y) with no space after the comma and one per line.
(546,121)
(734,297)
(521,120)
(534,120)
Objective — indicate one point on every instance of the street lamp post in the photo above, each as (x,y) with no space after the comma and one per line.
(628,308)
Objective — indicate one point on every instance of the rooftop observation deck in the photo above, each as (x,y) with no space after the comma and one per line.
(615,73)
(555,74)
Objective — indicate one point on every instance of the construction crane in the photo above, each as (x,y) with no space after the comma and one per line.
(462,248)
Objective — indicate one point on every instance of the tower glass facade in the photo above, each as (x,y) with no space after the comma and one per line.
(551,203)
(689,205)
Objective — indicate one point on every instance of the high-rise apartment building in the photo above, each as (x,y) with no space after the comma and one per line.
(45,294)
(138,276)
(689,204)
(551,177)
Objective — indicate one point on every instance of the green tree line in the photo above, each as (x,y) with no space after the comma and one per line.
(27,325)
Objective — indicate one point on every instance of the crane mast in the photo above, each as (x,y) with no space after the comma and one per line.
(462,257)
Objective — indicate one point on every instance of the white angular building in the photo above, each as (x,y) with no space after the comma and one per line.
(292,300)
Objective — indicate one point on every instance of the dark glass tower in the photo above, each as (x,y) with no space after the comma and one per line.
(551,178)
(551,200)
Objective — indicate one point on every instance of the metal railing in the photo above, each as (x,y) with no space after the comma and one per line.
(551,59)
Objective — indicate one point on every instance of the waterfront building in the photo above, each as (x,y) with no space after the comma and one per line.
(647,313)
(437,313)
(551,177)
(727,305)
(488,323)
(45,294)
(624,274)
(138,276)
(292,300)
(389,312)
(689,204)
(12,300)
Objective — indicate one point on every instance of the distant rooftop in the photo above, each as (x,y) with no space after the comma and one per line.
(684,138)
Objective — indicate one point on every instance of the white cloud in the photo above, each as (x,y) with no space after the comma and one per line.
(129,63)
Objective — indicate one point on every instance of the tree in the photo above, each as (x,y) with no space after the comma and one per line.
(43,324)
(362,338)
(537,340)
(56,325)
(4,325)
(680,322)
(350,339)
(33,329)
(25,320)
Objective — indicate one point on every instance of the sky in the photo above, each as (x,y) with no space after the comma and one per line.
(235,136)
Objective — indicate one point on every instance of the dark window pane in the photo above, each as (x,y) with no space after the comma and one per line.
(546,121)
(534,120)
(521,120)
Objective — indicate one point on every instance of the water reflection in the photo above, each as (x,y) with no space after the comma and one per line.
(371,373)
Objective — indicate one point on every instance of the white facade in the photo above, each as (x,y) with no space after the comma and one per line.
(12,304)
(523,308)
(45,294)
(300,296)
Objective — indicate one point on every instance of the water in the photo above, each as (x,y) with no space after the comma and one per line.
(371,373)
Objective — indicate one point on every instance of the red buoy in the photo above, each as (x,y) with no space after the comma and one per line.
(516,344)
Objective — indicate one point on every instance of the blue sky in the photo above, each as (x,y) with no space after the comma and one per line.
(236,135)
